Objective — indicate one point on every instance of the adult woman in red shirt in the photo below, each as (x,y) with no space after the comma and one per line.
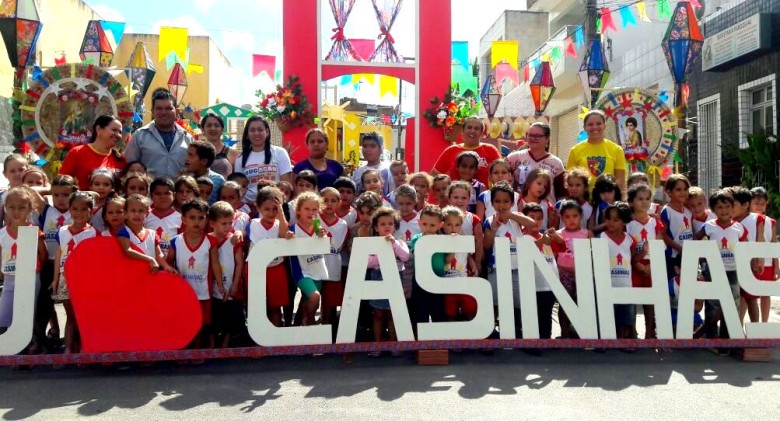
(472,133)
(98,153)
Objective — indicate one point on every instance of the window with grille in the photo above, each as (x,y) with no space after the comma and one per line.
(709,156)
(761,110)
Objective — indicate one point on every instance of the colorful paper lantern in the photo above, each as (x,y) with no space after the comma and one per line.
(594,71)
(177,82)
(490,95)
(20,26)
(140,71)
(542,87)
(682,46)
(100,41)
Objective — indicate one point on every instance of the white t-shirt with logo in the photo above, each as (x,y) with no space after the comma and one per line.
(256,169)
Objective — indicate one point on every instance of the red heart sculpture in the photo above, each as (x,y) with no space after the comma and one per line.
(121,306)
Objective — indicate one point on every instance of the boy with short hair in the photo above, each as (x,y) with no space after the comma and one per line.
(205,186)
(347,189)
(697,204)
(227,310)
(754,223)
(771,271)
(427,306)
(676,218)
(200,156)
(163,219)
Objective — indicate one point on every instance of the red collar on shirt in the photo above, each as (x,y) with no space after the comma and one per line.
(726,225)
(163,215)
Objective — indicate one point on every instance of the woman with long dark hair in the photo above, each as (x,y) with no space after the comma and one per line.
(100,152)
(259,159)
(213,126)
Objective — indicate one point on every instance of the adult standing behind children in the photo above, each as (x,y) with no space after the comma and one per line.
(371,144)
(260,160)
(536,156)
(598,155)
(472,133)
(162,144)
(327,170)
(98,153)
(213,127)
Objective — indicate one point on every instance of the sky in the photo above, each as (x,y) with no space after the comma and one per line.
(244,27)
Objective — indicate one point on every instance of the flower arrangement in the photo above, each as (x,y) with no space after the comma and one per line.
(452,110)
(287,106)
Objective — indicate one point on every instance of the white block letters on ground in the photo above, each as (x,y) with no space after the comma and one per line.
(483,323)
(744,253)
(19,334)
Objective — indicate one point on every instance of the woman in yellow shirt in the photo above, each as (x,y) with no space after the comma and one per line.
(598,155)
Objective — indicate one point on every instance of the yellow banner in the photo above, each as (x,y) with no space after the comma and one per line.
(504,51)
(172,39)
(195,68)
(369,77)
(388,84)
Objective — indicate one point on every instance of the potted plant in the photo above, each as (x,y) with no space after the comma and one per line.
(450,112)
(288,107)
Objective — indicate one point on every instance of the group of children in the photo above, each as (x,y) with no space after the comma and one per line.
(168,224)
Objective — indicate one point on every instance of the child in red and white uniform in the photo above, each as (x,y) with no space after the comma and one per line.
(458,195)
(113,215)
(771,271)
(193,253)
(421,181)
(467,166)
(755,225)
(571,218)
(726,233)
(545,299)
(456,265)
(676,218)
(81,207)
(536,189)
(499,171)
(622,252)
(372,181)
(697,204)
(271,224)
(409,226)
(163,218)
(346,188)
(227,309)
(230,192)
(102,182)
(136,241)
(577,181)
(19,202)
(643,228)
(309,270)
(642,178)
(338,231)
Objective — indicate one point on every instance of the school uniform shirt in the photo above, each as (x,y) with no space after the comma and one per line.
(338,231)
(256,169)
(258,230)
(240,221)
(510,230)
(769,226)
(310,266)
(408,228)
(97,219)
(227,262)
(486,199)
(470,223)
(751,223)
(193,263)
(678,227)
(67,239)
(146,241)
(522,162)
(350,217)
(726,237)
(620,258)
(549,255)
(642,232)
(547,210)
(699,222)
(587,211)
(50,222)
(477,187)
(456,265)
(165,225)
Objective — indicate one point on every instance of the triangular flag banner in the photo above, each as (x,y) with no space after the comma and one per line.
(695,3)
(577,38)
(570,49)
(641,10)
(506,71)
(388,85)
(364,47)
(606,20)
(195,68)
(460,53)
(598,24)
(172,58)
(114,32)
(546,56)
(664,10)
(345,80)
(504,51)
(526,73)
(368,77)
(263,63)
(555,54)
(626,16)
(172,39)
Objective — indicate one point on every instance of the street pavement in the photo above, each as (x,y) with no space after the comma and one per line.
(510,384)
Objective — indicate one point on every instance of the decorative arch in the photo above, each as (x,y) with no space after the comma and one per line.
(430,72)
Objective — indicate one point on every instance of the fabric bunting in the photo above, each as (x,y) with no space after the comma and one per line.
(555,54)
(172,39)
(388,85)
(642,11)
(606,20)
(578,38)
(506,71)
(385,16)
(526,73)
(460,53)
(368,77)
(342,49)
(263,63)
(364,47)
(569,47)
(504,51)
(627,17)
(345,80)
(172,58)
(195,68)
(664,10)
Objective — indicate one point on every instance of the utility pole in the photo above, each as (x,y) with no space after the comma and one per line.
(591,9)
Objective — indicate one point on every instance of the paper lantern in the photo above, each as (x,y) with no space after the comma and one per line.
(20,26)
(682,46)
(140,71)
(594,71)
(100,41)
(542,87)
(491,96)
(177,82)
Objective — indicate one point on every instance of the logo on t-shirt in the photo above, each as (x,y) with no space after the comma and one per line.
(597,164)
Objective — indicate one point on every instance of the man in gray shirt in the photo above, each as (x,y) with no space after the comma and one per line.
(162,144)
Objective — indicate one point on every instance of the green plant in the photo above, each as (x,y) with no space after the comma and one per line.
(760,166)
(452,110)
(288,104)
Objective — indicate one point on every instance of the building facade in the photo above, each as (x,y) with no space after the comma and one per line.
(733,89)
